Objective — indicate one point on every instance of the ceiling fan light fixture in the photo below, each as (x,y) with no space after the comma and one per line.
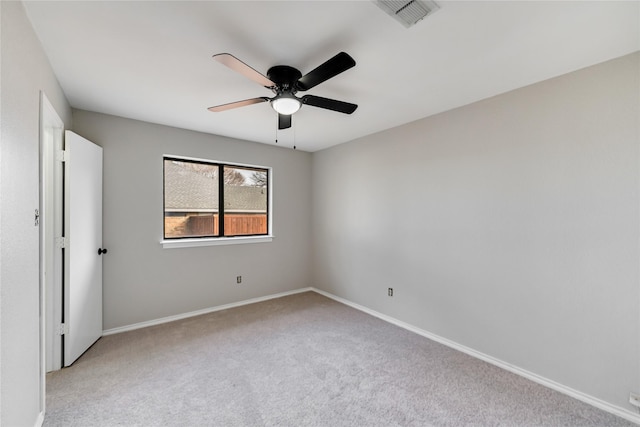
(286,105)
(285,81)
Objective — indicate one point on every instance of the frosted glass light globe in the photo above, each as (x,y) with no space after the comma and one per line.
(286,105)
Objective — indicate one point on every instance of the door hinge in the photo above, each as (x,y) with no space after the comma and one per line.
(62,329)
(61,242)
(61,156)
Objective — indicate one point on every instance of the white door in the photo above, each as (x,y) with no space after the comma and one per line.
(83,247)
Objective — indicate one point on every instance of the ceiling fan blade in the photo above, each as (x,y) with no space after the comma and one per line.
(240,67)
(331,68)
(329,104)
(231,105)
(284,122)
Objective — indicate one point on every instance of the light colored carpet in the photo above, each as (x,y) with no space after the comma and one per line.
(301,360)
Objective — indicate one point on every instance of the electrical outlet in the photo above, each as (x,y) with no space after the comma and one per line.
(390,292)
(634,399)
(238,279)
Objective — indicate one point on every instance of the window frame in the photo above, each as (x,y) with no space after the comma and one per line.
(198,241)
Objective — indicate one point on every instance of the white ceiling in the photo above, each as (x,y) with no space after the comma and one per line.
(151,60)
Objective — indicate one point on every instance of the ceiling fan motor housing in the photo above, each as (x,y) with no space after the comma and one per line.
(285,78)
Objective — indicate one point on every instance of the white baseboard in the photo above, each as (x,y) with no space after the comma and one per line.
(39,420)
(583,397)
(199,312)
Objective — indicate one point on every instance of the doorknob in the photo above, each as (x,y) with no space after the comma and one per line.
(102,251)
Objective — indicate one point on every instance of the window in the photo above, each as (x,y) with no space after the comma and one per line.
(198,204)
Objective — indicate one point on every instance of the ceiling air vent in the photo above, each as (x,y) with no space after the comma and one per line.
(407,12)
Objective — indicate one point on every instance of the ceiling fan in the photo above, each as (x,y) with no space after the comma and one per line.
(285,81)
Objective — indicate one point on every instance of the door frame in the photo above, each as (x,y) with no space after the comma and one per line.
(51,220)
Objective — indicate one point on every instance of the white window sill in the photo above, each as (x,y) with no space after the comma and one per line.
(192,243)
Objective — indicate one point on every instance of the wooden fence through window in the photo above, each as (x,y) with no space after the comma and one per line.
(207,225)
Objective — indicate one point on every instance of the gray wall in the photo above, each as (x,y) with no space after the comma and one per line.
(143,281)
(509,226)
(25,71)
